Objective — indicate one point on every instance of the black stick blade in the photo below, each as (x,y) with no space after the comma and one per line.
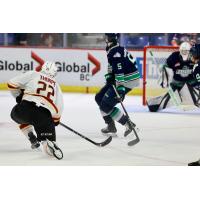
(106,142)
(133,142)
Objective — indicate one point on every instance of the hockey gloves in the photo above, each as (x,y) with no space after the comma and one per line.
(19,98)
(56,123)
(122,92)
(110,79)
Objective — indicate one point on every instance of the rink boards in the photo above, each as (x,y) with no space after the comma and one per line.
(79,70)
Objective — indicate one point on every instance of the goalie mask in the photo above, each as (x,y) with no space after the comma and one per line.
(185,50)
(49,68)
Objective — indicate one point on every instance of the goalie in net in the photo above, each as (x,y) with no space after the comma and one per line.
(181,86)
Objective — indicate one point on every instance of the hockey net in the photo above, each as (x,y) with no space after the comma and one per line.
(154,58)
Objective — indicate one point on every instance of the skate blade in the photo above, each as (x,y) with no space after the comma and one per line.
(56,152)
(48,152)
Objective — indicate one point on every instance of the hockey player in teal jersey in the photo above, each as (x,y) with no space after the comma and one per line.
(124,75)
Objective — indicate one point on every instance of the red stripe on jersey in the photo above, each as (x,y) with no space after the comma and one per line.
(56,119)
(22,126)
(12,86)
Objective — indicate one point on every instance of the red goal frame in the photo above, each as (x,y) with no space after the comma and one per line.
(145,63)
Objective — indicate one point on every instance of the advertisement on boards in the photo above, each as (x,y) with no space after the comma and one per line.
(76,67)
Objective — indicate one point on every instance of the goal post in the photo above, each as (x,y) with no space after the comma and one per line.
(154,58)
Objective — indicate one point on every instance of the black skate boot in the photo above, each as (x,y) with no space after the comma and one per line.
(196,163)
(129,127)
(52,149)
(110,130)
(33,140)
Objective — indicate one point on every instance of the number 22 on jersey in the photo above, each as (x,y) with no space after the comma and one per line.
(46,90)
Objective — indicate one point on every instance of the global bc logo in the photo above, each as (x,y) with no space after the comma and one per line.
(85,71)
(19,65)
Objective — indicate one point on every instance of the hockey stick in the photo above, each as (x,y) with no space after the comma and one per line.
(101,144)
(132,142)
(164,72)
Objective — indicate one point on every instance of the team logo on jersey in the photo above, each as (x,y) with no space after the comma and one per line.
(117,55)
(184,72)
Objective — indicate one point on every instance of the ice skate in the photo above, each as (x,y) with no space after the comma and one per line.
(109,130)
(130,126)
(196,163)
(52,149)
(33,140)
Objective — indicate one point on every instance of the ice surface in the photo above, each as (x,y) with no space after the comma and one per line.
(170,138)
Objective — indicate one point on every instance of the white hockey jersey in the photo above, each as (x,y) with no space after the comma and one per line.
(41,89)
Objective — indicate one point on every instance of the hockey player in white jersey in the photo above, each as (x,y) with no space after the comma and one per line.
(39,105)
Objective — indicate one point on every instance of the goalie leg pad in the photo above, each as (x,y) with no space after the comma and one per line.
(153,108)
(158,103)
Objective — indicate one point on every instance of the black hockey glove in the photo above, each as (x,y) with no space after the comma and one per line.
(56,123)
(122,92)
(19,98)
(110,79)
